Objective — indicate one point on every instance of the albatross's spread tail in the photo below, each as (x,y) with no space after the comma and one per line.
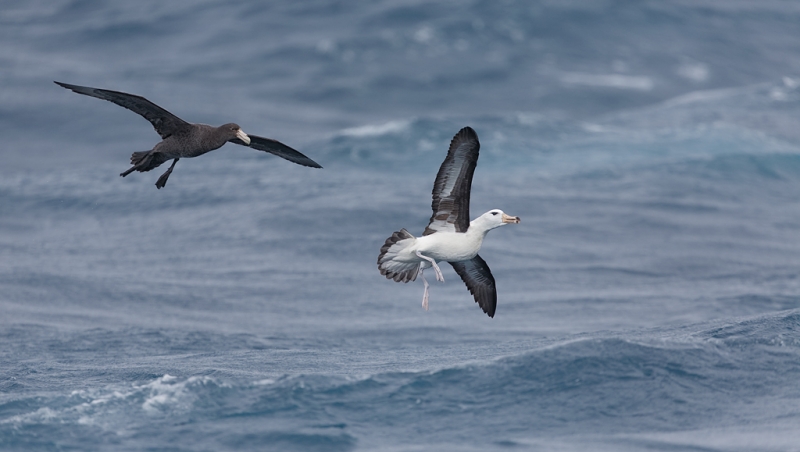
(392,268)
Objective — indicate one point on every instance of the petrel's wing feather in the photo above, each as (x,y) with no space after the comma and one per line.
(277,148)
(163,121)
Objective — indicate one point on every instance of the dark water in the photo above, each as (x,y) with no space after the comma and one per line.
(647,301)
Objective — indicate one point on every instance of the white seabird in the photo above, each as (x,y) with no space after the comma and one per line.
(449,236)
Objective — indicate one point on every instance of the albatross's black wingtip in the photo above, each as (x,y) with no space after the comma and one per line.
(480,282)
(467,132)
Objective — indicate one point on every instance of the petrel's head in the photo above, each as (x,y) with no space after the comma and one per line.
(234,131)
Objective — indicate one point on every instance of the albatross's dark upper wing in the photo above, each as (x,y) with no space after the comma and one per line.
(480,282)
(277,148)
(453,182)
(163,121)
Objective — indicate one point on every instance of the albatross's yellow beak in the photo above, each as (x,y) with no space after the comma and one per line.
(510,219)
(242,136)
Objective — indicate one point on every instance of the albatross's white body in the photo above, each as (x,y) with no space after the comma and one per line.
(450,246)
(450,236)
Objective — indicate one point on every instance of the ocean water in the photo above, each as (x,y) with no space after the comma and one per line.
(649,299)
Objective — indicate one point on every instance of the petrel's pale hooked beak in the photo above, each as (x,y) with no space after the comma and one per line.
(510,219)
(242,136)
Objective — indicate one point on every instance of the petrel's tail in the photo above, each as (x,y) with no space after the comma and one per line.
(145,161)
(391,268)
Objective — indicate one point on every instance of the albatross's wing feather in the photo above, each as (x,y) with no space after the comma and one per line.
(163,121)
(480,282)
(451,190)
(277,148)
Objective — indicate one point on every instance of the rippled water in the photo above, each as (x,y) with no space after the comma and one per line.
(647,301)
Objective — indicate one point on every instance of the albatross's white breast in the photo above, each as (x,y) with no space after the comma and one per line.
(450,246)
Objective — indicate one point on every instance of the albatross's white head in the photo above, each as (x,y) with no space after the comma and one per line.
(494,219)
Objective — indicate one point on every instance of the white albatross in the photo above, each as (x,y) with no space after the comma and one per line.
(449,236)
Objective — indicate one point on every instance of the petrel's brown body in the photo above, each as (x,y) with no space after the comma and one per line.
(180,139)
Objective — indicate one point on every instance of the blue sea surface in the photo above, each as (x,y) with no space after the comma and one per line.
(649,299)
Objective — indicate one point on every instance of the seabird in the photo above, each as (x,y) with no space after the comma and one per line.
(449,236)
(180,139)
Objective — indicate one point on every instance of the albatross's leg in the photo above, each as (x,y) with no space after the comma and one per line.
(439,276)
(162,181)
(424,281)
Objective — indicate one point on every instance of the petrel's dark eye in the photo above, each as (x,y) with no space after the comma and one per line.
(494,213)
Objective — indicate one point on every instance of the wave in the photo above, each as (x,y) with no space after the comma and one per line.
(647,381)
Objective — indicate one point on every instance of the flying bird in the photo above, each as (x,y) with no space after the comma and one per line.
(180,139)
(449,236)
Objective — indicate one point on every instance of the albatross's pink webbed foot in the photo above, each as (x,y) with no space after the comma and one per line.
(439,276)
(425,294)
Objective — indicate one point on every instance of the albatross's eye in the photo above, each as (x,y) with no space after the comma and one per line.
(494,213)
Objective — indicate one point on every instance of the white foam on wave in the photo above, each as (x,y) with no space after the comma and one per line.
(711,97)
(695,72)
(41,416)
(632,82)
(372,130)
(97,407)
(167,392)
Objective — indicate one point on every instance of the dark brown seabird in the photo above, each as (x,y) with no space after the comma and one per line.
(180,139)
(449,236)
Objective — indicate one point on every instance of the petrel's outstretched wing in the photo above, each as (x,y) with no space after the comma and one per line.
(453,183)
(480,282)
(277,148)
(163,121)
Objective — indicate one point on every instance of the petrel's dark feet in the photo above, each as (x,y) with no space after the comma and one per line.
(162,181)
